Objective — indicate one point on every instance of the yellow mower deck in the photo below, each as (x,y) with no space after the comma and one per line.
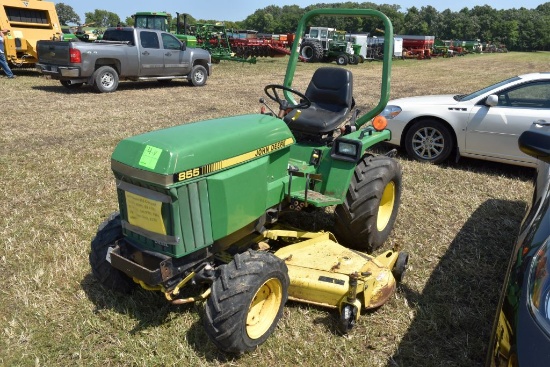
(320,270)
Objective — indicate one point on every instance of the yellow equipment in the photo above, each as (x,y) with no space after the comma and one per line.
(324,273)
(27,21)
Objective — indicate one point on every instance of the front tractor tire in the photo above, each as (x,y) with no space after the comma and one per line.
(108,233)
(365,219)
(247,301)
(342,59)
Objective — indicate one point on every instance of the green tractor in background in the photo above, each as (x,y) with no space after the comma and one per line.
(202,208)
(323,44)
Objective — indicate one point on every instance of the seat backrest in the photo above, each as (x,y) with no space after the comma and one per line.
(331,88)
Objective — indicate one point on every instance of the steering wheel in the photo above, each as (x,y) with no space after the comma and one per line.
(271,91)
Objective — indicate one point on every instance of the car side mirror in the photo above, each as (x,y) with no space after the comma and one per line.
(536,144)
(183,46)
(491,100)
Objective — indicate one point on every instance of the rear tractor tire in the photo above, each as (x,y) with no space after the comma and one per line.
(247,301)
(365,219)
(311,51)
(108,233)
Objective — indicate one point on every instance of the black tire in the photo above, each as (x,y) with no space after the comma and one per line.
(229,319)
(70,85)
(105,79)
(400,266)
(353,60)
(198,76)
(107,234)
(311,51)
(365,219)
(347,319)
(429,141)
(342,59)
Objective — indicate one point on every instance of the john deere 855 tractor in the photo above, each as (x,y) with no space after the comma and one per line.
(202,208)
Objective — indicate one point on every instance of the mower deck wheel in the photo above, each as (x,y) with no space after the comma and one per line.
(400,266)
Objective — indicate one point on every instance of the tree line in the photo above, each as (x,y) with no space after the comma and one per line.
(517,29)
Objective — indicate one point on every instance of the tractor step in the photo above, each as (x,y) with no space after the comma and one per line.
(315,198)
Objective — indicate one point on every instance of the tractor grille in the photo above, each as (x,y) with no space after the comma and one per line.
(194,213)
(175,222)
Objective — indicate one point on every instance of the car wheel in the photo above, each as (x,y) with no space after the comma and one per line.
(429,141)
(105,79)
(198,76)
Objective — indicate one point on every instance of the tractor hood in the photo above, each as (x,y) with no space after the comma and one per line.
(188,151)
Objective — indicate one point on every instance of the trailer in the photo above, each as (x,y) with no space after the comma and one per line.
(417,47)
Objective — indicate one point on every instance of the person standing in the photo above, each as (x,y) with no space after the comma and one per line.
(3,61)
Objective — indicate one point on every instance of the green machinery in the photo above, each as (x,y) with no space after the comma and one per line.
(211,37)
(327,45)
(202,208)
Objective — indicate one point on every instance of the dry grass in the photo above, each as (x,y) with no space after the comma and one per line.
(458,222)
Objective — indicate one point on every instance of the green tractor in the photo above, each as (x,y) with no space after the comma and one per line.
(323,44)
(202,208)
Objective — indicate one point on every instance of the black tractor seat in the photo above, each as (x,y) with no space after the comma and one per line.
(331,94)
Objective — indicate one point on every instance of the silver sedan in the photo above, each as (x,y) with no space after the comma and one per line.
(485,124)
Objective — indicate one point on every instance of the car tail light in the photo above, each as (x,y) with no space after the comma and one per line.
(75,56)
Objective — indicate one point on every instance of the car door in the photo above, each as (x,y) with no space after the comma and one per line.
(152,55)
(494,131)
(175,62)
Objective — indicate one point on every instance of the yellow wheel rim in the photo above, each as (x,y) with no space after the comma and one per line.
(264,308)
(386,206)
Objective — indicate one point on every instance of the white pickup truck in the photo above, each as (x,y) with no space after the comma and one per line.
(124,53)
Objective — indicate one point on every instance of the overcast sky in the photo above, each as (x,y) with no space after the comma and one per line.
(239,10)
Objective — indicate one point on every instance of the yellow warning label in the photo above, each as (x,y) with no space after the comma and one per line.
(145,213)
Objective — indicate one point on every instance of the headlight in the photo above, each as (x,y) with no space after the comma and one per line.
(390,112)
(347,150)
(539,287)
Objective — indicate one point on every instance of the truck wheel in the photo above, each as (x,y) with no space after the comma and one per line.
(105,79)
(311,51)
(429,141)
(70,85)
(247,301)
(107,234)
(342,59)
(365,219)
(198,76)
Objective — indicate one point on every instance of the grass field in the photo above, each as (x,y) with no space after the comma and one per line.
(457,221)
